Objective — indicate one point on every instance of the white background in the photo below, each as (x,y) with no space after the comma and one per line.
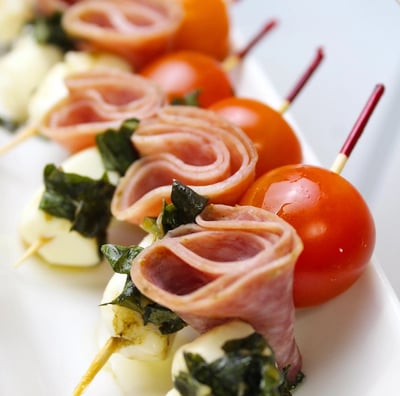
(361,41)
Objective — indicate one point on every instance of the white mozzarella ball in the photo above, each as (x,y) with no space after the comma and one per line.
(14,14)
(63,246)
(88,163)
(209,345)
(21,71)
(143,342)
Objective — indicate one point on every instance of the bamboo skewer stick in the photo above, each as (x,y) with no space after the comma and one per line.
(111,346)
(233,60)
(358,128)
(302,81)
(20,137)
(32,250)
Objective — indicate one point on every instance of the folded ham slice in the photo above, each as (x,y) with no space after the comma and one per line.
(138,30)
(192,145)
(48,7)
(99,99)
(234,263)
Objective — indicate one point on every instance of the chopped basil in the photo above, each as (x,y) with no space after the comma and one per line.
(248,368)
(49,30)
(120,259)
(186,205)
(9,124)
(116,148)
(82,200)
(190,99)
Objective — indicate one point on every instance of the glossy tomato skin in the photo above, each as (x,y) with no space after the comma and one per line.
(275,141)
(180,73)
(205,28)
(333,221)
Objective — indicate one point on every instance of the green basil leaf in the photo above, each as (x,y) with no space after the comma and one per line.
(116,148)
(82,200)
(57,205)
(131,297)
(248,368)
(120,257)
(186,205)
(49,30)
(167,321)
(9,124)
(186,385)
(190,99)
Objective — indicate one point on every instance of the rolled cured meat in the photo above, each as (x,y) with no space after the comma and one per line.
(99,99)
(195,146)
(138,30)
(234,263)
(48,7)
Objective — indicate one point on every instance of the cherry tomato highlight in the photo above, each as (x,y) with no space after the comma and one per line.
(205,28)
(181,73)
(274,139)
(333,221)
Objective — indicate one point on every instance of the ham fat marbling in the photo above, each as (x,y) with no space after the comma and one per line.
(97,100)
(192,145)
(137,30)
(235,262)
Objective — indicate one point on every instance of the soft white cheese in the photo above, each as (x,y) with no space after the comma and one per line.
(14,14)
(21,71)
(143,342)
(209,345)
(150,363)
(63,246)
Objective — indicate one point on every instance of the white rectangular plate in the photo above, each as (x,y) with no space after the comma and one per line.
(50,317)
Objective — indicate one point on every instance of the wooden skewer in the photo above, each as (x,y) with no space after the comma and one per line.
(233,60)
(110,347)
(302,81)
(26,133)
(32,250)
(358,128)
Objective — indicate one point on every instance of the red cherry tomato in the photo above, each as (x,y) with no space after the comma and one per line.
(274,139)
(205,28)
(332,219)
(180,73)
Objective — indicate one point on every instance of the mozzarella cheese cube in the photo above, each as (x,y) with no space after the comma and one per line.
(63,246)
(209,345)
(14,14)
(144,342)
(21,71)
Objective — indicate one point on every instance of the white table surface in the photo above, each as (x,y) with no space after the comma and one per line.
(361,41)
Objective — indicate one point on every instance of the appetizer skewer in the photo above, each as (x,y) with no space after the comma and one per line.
(97,100)
(202,318)
(216,85)
(266,253)
(140,138)
(342,240)
(52,236)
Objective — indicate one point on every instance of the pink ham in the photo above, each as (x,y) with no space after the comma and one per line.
(235,263)
(48,7)
(97,100)
(138,30)
(196,147)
